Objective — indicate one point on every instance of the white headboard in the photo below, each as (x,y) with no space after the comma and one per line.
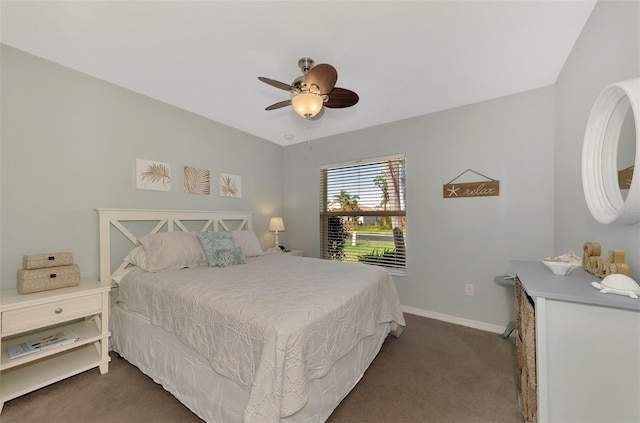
(166,221)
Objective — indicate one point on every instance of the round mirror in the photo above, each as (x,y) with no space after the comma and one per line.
(611,151)
(626,148)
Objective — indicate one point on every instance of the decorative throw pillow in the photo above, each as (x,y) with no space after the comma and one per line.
(212,241)
(248,242)
(172,250)
(229,257)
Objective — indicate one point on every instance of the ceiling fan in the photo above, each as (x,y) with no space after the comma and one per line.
(313,90)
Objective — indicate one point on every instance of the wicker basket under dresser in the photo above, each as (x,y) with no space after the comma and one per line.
(81,309)
(578,349)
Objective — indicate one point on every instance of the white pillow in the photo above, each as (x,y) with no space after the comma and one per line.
(137,257)
(248,243)
(119,274)
(172,250)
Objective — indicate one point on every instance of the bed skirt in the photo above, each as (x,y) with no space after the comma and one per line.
(214,398)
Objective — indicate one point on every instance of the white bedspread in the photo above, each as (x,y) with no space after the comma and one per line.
(270,325)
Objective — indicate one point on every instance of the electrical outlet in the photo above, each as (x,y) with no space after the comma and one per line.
(469,290)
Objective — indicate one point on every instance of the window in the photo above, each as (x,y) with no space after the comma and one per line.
(362,212)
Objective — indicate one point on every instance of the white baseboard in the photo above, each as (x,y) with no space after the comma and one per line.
(453,319)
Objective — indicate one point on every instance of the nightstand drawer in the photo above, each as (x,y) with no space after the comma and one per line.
(50,313)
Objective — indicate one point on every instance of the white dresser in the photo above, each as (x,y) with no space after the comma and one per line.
(587,348)
(82,309)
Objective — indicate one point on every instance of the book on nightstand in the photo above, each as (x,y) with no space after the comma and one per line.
(57,339)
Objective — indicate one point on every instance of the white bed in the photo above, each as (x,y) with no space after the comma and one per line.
(279,338)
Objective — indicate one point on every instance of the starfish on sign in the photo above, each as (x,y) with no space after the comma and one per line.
(453,190)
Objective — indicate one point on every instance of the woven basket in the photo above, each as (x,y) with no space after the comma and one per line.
(526,355)
(38,261)
(37,280)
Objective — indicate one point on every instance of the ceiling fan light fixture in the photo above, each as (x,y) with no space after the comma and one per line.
(307,104)
(314,91)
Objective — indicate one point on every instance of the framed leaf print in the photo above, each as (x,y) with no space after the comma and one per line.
(197,181)
(230,185)
(152,175)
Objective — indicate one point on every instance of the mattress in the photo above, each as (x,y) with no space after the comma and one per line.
(214,398)
(270,326)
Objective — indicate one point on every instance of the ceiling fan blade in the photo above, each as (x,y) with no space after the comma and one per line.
(323,76)
(276,84)
(279,105)
(340,98)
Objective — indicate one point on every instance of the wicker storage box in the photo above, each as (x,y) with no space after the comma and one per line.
(36,280)
(38,261)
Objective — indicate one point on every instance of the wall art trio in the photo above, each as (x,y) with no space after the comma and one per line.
(156,176)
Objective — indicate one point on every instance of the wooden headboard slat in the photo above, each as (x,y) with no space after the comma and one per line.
(171,219)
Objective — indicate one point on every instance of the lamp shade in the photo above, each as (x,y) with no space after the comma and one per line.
(276,224)
(307,104)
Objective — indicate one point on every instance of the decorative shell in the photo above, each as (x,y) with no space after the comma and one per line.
(621,283)
(568,257)
(618,284)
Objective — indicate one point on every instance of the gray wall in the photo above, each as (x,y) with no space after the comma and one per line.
(607,51)
(69,144)
(531,142)
(450,242)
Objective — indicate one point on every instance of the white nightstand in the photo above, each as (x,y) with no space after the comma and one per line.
(288,253)
(83,309)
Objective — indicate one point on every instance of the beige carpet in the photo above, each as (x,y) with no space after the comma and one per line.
(435,372)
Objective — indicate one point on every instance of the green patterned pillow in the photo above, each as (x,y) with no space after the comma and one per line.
(229,257)
(212,241)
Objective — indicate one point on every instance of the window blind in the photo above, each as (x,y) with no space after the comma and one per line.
(363,212)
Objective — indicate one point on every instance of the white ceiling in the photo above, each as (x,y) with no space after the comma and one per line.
(403,58)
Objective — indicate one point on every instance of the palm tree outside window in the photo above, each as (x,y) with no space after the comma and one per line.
(363,212)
